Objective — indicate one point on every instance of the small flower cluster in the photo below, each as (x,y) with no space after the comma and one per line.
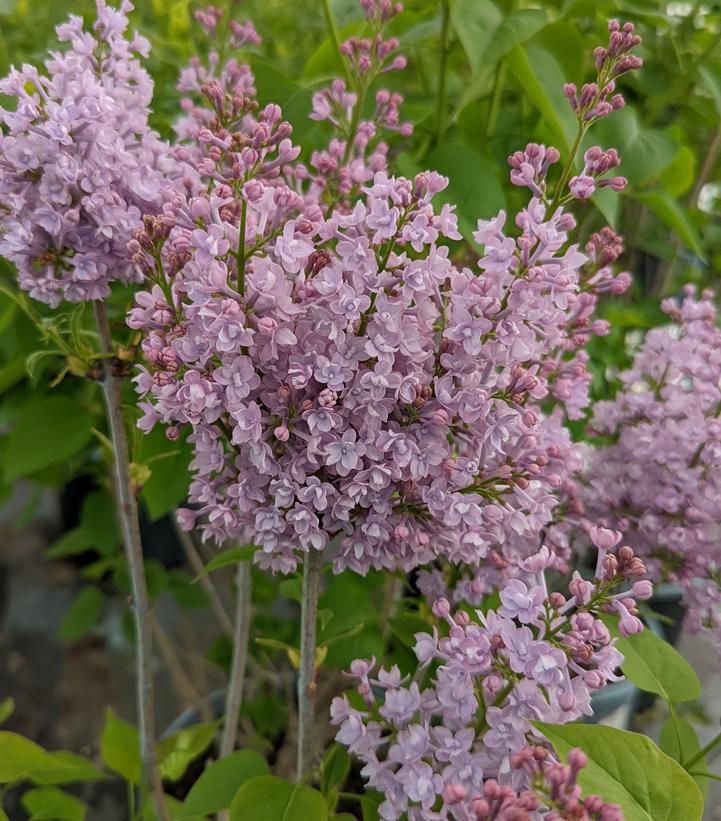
(79,163)
(357,151)
(553,794)
(659,479)
(466,714)
(599,99)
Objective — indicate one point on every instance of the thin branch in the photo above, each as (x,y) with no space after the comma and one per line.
(130,527)
(306,678)
(241,634)
(196,563)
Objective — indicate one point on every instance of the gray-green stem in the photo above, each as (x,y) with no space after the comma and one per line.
(127,509)
(241,635)
(306,676)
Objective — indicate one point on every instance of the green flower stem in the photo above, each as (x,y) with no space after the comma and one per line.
(333,32)
(715,741)
(127,508)
(441,104)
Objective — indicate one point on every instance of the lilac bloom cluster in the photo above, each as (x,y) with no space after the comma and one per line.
(553,794)
(659,477)
(338,376)
(79,163)
(467,710)
(357,151)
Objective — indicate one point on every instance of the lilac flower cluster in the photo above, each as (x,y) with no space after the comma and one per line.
(553,794)
(338,376)
(356,152)
(659,477)
(465,715)
(79,163)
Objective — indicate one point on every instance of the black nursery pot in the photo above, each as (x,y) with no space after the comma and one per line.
(667,601)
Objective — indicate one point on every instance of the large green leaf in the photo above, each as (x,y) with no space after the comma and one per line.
(267,798)
(645,152)
(52,804)
(120,747)
(21,758)
(513,31)
(48,432)
(655,666)
(542,80)
(179,749)
(475,22)
(473,185)
(169,478)
(217,785)
(681,731)
(629,769)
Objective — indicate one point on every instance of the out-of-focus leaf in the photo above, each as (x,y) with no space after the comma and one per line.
(542,81)
(674,217)
(177,751)
(219,782)
(473,185)
(48,432)
(668,741)
(52,804)
(83,614)
(120,747)
(475,22)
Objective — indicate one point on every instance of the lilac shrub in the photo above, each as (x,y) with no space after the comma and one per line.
(79,164)
(468,708)
(658,479)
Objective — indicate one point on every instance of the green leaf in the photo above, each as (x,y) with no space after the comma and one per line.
(228,558)
(83,614)
(52,804)
(712,79)
(406,625)
(542,81)
(473,185)
(678,177)
(217,785)
(168,462)
(690,745)
(655,666)
(334,768)
(21,758)
(645,152)
(69,767)
(98,520)
(629,769)
(47,433)
(267,798)
(7,706)
(120,747)
(177,751)
(475,22)
(674,217)
(71,543)
(514,30)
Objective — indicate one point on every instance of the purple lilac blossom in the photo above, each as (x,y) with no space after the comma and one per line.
(659,479)
(463,720)
(79,164)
